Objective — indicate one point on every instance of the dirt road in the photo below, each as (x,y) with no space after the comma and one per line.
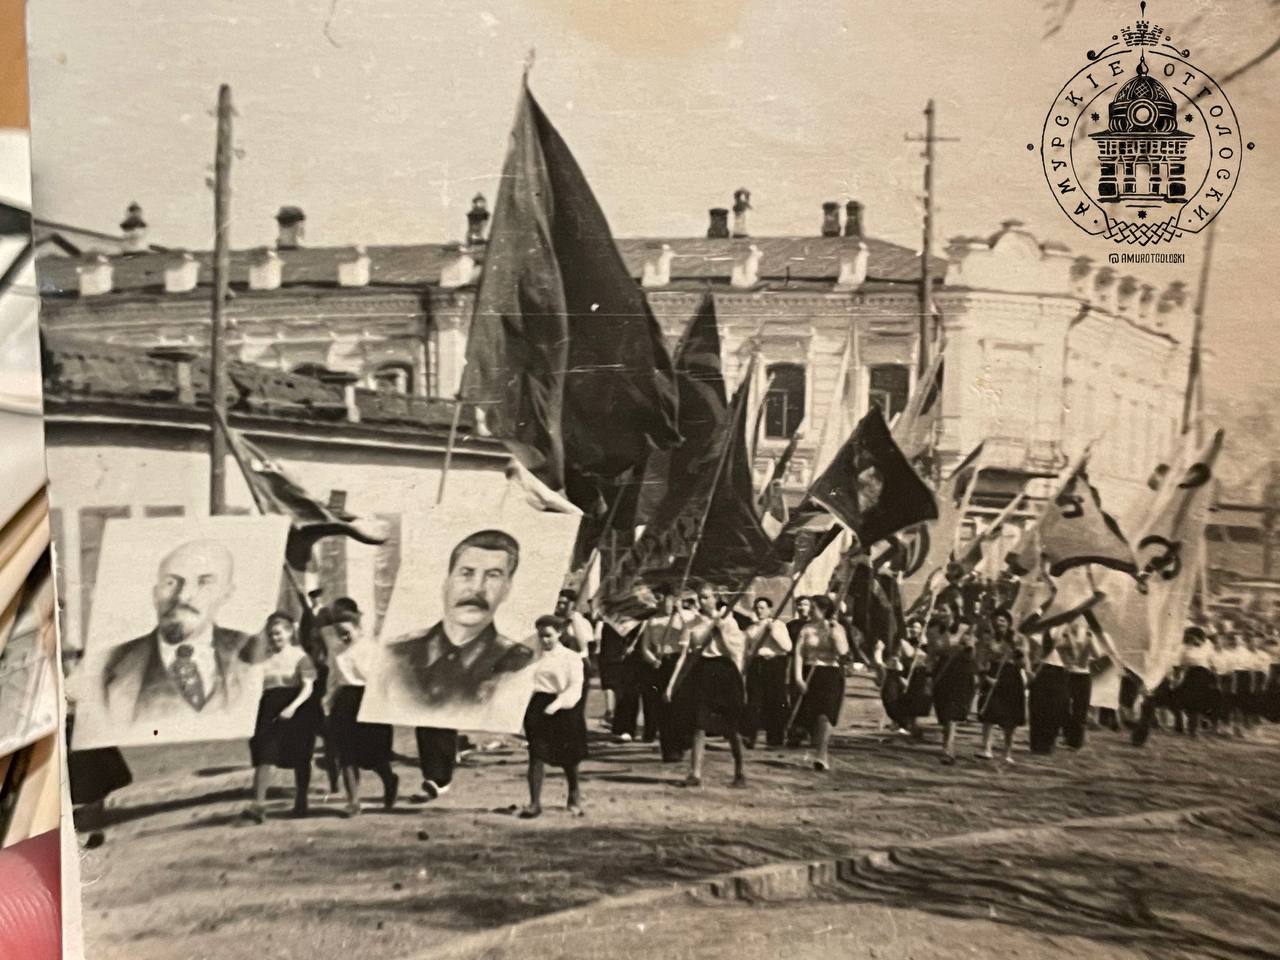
(182,877)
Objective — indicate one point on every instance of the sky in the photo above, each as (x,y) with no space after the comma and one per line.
(383,118)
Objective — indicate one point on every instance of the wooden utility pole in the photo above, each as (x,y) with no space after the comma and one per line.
(1194,396)
(217,324)
(926,255)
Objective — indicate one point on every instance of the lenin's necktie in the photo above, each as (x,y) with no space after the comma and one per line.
(187,676)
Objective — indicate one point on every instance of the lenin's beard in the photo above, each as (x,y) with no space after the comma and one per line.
(178,622)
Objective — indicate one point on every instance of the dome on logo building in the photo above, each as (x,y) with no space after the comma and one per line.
(1143,105)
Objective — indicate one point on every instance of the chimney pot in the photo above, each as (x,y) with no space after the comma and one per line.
(741,204)
(853,219)
(181,359)
(181,273)
(347,382)
(265,269)
(134,229)
(718,229)
(657,266)
(831,219)
(353,268)
(96,275)
(291,221)
(477,220)
(746,266)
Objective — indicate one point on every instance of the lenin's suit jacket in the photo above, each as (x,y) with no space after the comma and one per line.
(136,686)
(426,668)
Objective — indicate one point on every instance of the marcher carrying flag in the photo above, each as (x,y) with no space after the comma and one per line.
(870,487)
(564,357)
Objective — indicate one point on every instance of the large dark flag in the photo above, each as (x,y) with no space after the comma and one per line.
(564,355)
(275,491)
(870,487)
(707,523)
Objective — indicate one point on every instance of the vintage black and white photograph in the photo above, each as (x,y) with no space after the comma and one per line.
(743,479)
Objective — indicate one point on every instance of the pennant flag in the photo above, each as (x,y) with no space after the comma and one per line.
(870,487)
(729,547)
(915,426)
(1069,596)
(274,491)
(928,548)
(1170,551)
(564,357)
(1076,531)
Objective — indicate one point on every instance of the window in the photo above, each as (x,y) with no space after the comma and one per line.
(890,387)
(92,521)
(784,403)
(394,378)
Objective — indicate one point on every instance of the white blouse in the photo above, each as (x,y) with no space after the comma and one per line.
(559,672)
(291,667)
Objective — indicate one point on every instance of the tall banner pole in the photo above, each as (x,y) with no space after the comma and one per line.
(217,324)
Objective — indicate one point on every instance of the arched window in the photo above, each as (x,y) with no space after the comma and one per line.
(394,378)
(784,403)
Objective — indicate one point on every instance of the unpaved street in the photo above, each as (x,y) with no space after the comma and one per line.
(182,876)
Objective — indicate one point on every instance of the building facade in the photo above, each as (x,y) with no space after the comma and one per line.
(1043,351)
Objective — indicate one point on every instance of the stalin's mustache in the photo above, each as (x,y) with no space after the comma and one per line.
(474,601)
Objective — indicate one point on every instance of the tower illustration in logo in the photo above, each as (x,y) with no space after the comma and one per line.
(1141,146)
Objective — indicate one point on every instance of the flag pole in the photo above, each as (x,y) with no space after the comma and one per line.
(220,424)
(221,290)
(448,450)
(729,438)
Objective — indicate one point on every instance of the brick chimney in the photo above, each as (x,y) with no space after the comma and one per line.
(291,222)
(853,219)
(657,265)
(718,229)
(134,229)
(831,219)
(741,204)
(477,220)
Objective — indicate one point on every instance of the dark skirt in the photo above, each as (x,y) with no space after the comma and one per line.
(94,774)
(1006,704)
(356,744)
(287,744)
(823,698)
(718,695)
(560,738)
(1198,692)
(953,687)
(676,720)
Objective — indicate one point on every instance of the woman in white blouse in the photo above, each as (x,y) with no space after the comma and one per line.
(285,733)
(822,648)
(554,722)
(358,745)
